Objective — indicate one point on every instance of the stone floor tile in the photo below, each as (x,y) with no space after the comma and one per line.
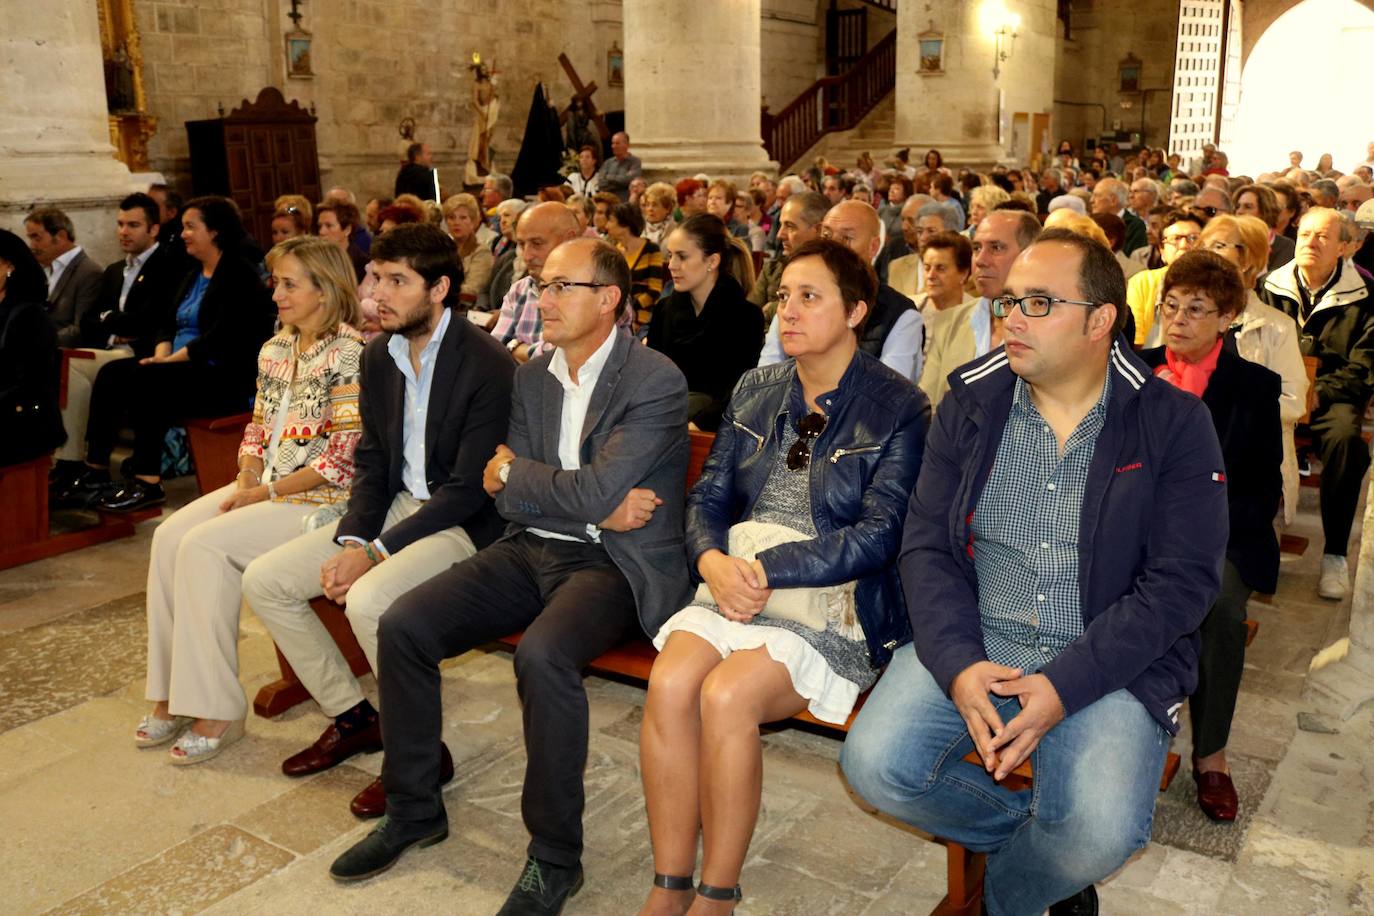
(835,844)
(187,878)
(310,815)
(775,889)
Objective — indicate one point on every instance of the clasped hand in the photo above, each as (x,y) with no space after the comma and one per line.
(340,571)
(738,586)
(244,496)
(1004,747)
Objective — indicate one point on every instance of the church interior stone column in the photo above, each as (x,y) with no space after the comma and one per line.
(957,111)
(692,87)
(54,127)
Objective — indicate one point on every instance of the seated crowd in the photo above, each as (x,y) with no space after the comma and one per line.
(1010,450)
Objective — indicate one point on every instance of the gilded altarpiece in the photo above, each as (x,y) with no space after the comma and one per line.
(131,126)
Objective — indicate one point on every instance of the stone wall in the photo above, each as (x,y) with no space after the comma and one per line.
(1102,33)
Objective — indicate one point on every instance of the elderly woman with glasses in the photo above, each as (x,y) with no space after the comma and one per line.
(1181,232)
(1203,295)
(792,531)
(1263,334)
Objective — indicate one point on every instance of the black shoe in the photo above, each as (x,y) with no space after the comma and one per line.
(383,847)
(542,890)
(1083,903)
(61,474)
(131,495)
(81,491)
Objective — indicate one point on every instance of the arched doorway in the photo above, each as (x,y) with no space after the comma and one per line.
(1303,87)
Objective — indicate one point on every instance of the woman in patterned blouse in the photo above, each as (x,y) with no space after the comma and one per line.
(296,459)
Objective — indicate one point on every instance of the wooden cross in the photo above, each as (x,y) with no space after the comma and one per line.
(585,94)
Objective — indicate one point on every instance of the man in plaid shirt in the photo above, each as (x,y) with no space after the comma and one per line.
(1062,547)
(541,229)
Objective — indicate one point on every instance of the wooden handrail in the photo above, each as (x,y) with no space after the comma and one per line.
(831,103)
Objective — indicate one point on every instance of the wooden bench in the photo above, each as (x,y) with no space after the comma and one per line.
(25,529)
(214,444)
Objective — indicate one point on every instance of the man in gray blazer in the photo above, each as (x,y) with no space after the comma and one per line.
(73,278)
(591,482)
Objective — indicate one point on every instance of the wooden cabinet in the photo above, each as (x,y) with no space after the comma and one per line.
(254,154)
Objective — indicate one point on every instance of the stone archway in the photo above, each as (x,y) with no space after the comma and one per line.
(1259,15)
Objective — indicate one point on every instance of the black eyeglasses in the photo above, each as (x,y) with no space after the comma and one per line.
(808,430)
(1032,306)
(559,288)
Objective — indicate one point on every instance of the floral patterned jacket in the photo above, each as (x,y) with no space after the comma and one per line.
(319,391)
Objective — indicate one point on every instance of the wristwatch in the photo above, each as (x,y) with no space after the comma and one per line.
(503,472)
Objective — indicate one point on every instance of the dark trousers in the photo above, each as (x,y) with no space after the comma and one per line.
(152,399)
(573,603)
(1220,665)
(1345,459)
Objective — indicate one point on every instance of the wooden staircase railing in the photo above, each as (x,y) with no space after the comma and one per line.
(832,103)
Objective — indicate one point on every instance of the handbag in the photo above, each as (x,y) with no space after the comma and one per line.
(812,607)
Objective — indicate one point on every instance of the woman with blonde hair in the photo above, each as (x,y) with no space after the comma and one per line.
(292,215)
(296,457)
(1264,334)
(657,205)
(463,216)
(981,201)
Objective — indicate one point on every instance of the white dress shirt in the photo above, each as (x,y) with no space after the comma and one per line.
(59,266)
(577,398)
(416,410)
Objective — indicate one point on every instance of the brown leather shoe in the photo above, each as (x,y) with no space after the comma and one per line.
(332,749)
(1216,795)
(371,801)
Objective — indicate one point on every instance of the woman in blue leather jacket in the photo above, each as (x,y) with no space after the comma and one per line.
(793,531)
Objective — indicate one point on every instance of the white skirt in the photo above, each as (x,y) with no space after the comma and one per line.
(829,697)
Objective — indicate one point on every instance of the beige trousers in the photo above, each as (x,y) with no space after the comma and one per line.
(279,585)
(81,375)
(195,580)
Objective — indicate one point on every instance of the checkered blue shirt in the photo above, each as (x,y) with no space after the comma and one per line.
(1025,535)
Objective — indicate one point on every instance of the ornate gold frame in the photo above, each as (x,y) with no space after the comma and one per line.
(130,130)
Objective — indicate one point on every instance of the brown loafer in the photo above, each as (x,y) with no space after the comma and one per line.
(1216,795)
(371,801)
(333,748)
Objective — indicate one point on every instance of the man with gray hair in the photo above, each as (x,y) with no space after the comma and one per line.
(798,222)
(618,171)
(495,188)
(786,187)
(902,254)
(1109,197)
(73,277)
(1145,193)
(1180,188)
(1325,193)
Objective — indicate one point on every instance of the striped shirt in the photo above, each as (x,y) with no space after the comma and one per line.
(1025,535)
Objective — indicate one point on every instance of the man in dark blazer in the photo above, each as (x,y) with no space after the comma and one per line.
(73,277)
(134,304)
(435,402)
(591,481)
(416,175)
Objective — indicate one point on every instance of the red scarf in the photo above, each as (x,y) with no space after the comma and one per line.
(1191,377)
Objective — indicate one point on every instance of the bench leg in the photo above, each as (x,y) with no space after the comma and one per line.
(965,882)
(277,697)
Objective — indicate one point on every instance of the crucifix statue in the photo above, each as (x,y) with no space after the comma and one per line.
(579,111)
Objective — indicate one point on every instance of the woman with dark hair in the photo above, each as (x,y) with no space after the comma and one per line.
(335,222)
(707,326)
(30,423)
(793,531)
(204,364)
(1202,296)
(934,162)
(624,226)
(584,179)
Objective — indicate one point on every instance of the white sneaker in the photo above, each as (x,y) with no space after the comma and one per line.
(1335,580)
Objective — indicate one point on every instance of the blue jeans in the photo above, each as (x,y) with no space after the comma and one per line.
(1091,805)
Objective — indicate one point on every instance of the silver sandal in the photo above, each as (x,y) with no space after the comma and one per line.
(153,732)
(198,748)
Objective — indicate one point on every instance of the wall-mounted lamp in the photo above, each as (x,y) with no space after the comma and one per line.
(1003,24)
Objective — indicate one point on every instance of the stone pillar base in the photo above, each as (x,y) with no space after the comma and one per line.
(956,153)
(669,160)
(87,188)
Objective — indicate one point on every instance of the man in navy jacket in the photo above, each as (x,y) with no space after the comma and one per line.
(1062,547)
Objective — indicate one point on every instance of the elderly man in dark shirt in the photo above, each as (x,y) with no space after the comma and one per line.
(618,171)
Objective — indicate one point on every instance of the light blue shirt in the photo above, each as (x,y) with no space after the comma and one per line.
(416,409)
(980,319)
(133,266)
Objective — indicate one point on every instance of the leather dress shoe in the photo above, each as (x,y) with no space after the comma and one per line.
(1216,795)
(80,491)
(1083,903)
(384,846)
(542,890)
(371,802)
(333,748)
(131,495)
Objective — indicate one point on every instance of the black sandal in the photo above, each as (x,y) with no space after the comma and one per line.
(673,882)
(710,892)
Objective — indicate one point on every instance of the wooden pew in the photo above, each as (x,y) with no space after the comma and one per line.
(214,444)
